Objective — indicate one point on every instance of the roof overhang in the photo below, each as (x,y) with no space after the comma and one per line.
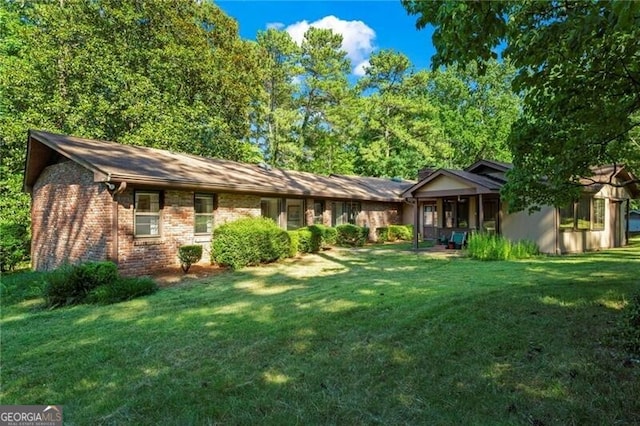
(472,186)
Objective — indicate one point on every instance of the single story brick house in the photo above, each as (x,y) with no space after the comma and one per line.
(469,200)
(99,200)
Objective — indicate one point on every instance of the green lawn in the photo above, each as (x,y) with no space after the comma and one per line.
(372,336)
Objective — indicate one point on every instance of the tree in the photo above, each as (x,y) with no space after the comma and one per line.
(578,70)
(400,129)
(275,114)
(476,110)
(324,97)
(171,74)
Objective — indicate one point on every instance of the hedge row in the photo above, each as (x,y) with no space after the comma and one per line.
(252,241)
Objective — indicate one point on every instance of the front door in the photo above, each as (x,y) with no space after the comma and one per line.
(430,221)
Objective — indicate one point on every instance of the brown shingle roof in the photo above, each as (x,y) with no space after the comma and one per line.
(148,166)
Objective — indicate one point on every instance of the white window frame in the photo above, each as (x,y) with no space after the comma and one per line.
(152,214)
(208,215)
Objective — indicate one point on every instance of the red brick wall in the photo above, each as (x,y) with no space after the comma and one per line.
(377,215)
(142,255)
(70,217)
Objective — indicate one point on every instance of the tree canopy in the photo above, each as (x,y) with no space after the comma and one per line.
(578,71)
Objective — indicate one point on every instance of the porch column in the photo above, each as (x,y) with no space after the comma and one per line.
(480,214)
(416,223)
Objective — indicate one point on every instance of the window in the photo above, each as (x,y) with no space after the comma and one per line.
(203,206)
(430,215)
(345,212)
(566,216)
(147,213)
(295,214)
(598,214)
(318,211)
(270,207)
(583,215)
(456,213)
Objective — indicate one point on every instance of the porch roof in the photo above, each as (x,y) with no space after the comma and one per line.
(473,184)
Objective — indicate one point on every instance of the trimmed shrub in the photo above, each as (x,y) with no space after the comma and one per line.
(189,255)
(249,241)
(124,288)
(351,235)
(496,247)
(294,240)
(70,285)
(306,240)
(14,245)
(329,237)
(400,232)
(630,325)
(383,234)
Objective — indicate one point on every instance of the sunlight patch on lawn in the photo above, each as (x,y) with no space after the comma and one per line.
(554,301)
(275,378)
(233,308)
(339,305)
(261,289)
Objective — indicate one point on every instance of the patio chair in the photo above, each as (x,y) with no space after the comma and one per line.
(458,239)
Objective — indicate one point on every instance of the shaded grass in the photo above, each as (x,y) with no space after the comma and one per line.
(368,336)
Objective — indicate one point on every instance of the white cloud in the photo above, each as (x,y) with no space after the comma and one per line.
(361,68)
(275,25)
(357,37)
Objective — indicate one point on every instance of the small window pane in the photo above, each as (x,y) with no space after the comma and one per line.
(147,202)
(204,203)
(584,213)
(203,224)
(566,217)
(318,211)
(598,214)
(147,225)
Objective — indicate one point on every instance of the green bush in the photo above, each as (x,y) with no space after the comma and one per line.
(630,325)
(70,285)
(496,247)
(14,245)
(306,240)
(349,235)
(383,234)
(92,282)
(294,239)
(400,232)
(124,288)
(189,255)
(329,237)
(249,241)
(60,290)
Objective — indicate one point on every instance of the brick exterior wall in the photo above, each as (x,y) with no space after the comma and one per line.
(141,255)
(378,215)
(235,206)
(72,222)
(70,217)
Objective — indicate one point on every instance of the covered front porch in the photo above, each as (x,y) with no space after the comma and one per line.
(439,217)
(447,201)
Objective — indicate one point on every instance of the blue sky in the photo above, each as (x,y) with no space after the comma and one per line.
(366,26)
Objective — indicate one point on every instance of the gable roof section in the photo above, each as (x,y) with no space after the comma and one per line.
(606,175)
(478,184)
(142,166)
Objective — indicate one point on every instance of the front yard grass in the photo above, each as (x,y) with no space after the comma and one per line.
(371,336)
